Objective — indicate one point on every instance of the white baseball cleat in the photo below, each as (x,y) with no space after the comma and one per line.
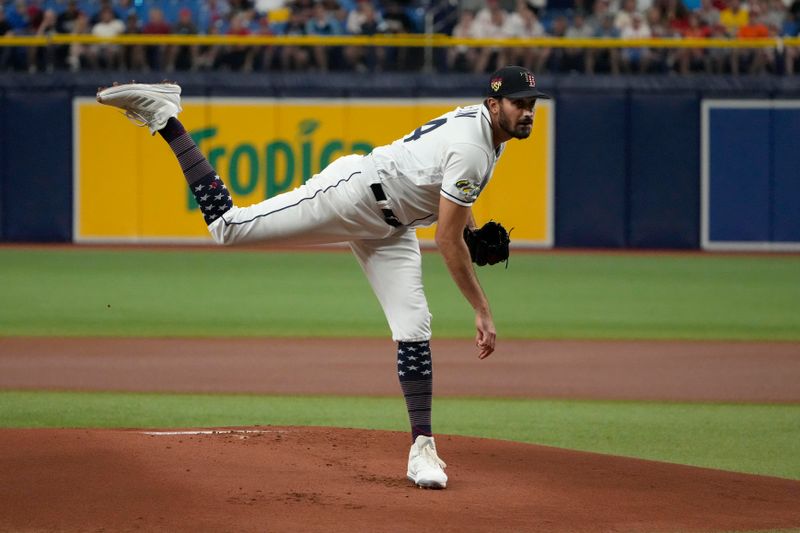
(424,466)
(150,105)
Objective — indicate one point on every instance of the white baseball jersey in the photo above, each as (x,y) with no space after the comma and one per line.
(451,156)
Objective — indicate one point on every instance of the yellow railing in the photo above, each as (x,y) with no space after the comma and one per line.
(407,41)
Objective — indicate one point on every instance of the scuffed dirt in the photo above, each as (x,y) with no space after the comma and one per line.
(339,480)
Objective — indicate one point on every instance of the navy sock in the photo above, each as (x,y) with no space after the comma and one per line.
(415,370)
(210,192)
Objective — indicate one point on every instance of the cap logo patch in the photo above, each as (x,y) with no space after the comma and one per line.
(529,79)
(496,83)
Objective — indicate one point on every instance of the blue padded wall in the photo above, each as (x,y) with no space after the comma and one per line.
(591,187)
(786,175)
(2,162)
(627,149)
(739,175)
(664,202)
(37,185)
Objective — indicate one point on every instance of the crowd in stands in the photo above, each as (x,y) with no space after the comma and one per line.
(631,19)
(496,19)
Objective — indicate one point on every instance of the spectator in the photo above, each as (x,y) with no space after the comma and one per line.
(322,22)
(776,14)
(39,57)
(156,55)
(214,15)
(491,22)
(605,59)
(333,6)
(133,56)
(461,58)
(491,9)
(733,17)
(207,55)
(575,58)
(693,59)
(674,15)
(636,58)
(126,8)
(757,59)
(108,55)
(625,15)
(5,29)
(558,61)
(365,20)
(708,14)
(18,19)
(104,4)
(396,18)
(295,57)
(792,53)
(264,55)
(398,22)
(600,11)
(156,24)
(81,56)
(661,59)
(65,22)
(238,56)
(719,59)
(183,57)
(524,24)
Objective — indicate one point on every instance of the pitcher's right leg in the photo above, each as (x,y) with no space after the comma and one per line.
(334,206)
(157,106)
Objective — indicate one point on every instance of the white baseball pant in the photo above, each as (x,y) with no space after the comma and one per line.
(337,205)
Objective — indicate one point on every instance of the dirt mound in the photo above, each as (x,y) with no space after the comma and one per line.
(337,480)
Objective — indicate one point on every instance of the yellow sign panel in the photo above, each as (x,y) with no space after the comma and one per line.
(129,186)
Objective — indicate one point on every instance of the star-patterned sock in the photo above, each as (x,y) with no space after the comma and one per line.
(211,194)
(415,371)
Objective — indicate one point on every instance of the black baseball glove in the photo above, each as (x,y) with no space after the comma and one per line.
(488,245)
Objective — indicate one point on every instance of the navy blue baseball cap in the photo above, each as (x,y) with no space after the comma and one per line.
(514,82)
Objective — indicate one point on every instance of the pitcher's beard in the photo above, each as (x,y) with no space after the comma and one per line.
(522,131)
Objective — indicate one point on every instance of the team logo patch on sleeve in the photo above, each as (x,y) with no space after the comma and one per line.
(467,188)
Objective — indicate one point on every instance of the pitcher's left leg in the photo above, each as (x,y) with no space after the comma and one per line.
(394,269)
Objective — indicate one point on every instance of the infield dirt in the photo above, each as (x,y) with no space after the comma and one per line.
(336,480)
(625,370)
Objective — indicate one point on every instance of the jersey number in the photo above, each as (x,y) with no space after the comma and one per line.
(419,132)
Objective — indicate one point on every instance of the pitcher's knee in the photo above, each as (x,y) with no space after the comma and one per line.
(411,328)
(221,232)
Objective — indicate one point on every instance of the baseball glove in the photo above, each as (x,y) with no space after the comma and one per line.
(488,245)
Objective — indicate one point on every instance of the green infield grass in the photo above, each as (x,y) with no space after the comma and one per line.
(759,439)
(173,292)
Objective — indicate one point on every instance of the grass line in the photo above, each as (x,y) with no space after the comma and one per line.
(78,292)
(759,439)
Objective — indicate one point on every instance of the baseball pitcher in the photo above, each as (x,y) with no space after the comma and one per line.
(374,203)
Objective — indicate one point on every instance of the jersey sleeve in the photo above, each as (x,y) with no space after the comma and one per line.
(462,180)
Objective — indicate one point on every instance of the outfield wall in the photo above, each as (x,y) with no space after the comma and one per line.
(617,161)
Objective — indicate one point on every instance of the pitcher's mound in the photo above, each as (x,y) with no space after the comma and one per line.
(337,480)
